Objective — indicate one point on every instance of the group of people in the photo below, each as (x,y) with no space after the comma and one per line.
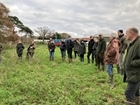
(103,55)
(130,66)
(30,50)
(68,45)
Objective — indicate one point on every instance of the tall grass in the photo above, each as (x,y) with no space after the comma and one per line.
(41,82)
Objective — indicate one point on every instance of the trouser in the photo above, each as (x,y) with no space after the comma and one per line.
(120,64)
(29,55)
(82,57)
(19,55)
(100,59)
(92,56)
(132,91)
(51,55)
(69,52)
(63,53)
(75,53)
(109,69)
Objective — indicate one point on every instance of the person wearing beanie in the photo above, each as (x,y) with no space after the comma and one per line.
(122,48)
(111,57)
(69,47)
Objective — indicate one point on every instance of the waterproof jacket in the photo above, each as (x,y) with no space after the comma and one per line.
(19,48)
(69,44)
(123,44)
(112,52)
(82,48)
(76,45)
(101,46)
(31,48)
(90,45)
(132,62)
(51,47)
(63,46)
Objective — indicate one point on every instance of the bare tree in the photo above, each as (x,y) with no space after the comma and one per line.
(43,32)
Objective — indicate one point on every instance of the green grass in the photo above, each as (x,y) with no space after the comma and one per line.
(41,82)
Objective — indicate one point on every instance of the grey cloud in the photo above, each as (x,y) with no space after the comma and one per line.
(77,17)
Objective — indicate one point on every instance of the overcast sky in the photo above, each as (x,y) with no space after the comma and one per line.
(79,18)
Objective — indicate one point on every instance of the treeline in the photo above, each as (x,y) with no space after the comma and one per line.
(11,27)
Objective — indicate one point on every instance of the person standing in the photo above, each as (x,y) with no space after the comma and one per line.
(30,50)
(1,49)
(19,49)
(94,49)
(111,57)
(76,47)
(69,46)
(63,49)
(90,50)
(100,52)
(51,48)
(122,48)
(82,50)
(132,67)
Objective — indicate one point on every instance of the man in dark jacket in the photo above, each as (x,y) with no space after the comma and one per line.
(90,49)
(19,49)
(132,67)
(63,49)
(122,48)
(100,52)
(51,48)
(69,46)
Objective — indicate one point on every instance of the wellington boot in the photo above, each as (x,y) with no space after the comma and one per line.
(99,67)
(52,58)
(129,103)
(137,101)
(118,69)
(69,60)
(80,59)
(103,68)
(112,81)
(63,59)
(88,60)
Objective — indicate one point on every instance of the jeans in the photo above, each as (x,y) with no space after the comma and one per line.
(75,53)
(92,55)
(131,91)
(51,54)
(63,53)
(109,68)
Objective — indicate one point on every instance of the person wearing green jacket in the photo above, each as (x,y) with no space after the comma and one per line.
(132,67)
(101,48)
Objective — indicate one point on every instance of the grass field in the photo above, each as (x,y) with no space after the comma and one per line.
(41,82)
